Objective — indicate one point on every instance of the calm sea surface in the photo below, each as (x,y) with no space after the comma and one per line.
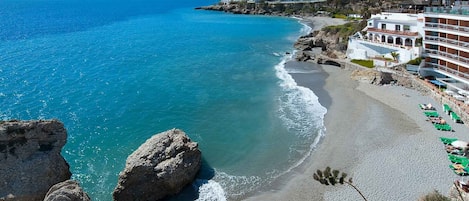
(117,72)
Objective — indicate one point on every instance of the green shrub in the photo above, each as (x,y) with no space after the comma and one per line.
(340,16)
(365,63)
(415,61)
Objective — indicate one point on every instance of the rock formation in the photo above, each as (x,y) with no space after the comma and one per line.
(68,190)
(373,77)
(161,166)
(30,160)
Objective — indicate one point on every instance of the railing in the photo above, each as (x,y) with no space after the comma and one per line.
(446,69)
(446,26)
(447,41)
(405,33)
(448,55)
(408,47)
(447,10)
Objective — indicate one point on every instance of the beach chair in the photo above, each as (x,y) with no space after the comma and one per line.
(447,140)
(458,159)
(431,114)
(455,117)
(443,127)
(446,109)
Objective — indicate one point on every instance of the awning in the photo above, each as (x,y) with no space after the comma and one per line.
(438,83)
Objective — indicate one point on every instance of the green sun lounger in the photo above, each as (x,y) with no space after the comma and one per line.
(455,117)
(458,159)
(431,114)
(447,140)
(443,127)
(446,108)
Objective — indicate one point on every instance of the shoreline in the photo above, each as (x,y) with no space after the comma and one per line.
(376,134)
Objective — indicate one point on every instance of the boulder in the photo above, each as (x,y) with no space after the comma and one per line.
(30,160)
(161,166)
(68,190)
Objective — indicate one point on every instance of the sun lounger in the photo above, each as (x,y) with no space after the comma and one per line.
(446,108)
(455,117)
(458,159)
(447,140)
(443,127)
(431,114)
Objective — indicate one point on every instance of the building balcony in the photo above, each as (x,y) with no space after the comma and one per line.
(391,32)
(446,69)
(447,41)
(450,57)
(449,27)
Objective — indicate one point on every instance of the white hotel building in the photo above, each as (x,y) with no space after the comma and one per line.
(446,44)
(386,33)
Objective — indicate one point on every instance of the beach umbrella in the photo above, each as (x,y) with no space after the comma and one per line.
(459,144)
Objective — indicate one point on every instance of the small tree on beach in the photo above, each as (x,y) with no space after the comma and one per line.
(331,177)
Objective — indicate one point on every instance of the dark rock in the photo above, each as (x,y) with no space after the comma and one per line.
(30,160)
(161,166)
(66,191)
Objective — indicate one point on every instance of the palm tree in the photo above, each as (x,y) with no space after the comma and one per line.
(394,55)
(328,177)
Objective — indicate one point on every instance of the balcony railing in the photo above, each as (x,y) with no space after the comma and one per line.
(403,33)
(448,55)
(447,41)
(446,10)
(446,26)
(446,69)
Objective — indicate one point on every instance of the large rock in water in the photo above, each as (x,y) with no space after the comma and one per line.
(30,160)
(66,191)
(161,166)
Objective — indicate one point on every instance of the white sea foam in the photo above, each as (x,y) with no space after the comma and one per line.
(301,112)
(209,190)
(237,186)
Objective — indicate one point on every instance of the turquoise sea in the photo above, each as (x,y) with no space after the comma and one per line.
(117,72)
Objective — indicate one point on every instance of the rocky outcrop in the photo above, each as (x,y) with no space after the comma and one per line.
(330,44)
(30,160)
(68,190)
(161,166)
(373,77)
(277,9)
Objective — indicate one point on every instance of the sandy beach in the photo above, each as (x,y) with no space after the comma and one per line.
(376,134)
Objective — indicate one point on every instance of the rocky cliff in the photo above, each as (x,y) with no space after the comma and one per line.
(161,166)
(330,45)
(66,191)
(30,160)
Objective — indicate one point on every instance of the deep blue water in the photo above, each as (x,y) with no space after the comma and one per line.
(117,72)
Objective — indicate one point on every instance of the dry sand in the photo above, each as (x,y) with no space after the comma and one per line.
(379,136)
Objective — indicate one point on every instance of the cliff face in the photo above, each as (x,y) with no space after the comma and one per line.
(30,160)
(264,8)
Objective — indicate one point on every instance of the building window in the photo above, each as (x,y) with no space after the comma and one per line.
(383,26)
(398,27)
(370,24)
(406,28)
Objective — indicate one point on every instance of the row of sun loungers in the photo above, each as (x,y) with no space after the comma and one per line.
(437,121)
(456,154)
